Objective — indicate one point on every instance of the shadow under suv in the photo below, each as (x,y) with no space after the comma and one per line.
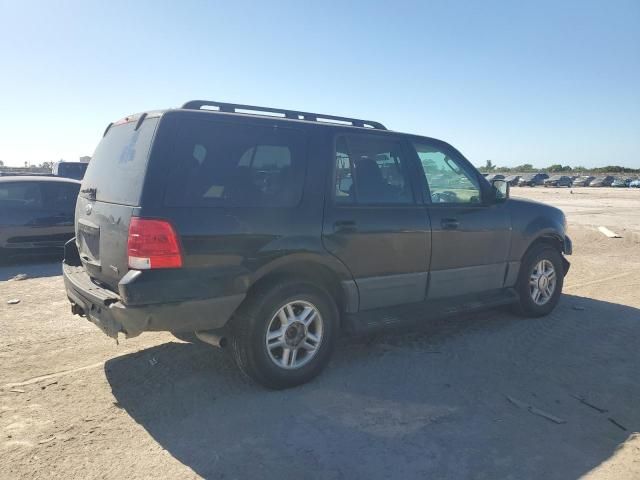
(275,231)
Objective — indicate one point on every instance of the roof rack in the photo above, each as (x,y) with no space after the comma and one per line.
(292,114)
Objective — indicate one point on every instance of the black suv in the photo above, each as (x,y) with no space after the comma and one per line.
(276,230)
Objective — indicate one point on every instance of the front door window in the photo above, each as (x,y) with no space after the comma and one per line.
(447,178)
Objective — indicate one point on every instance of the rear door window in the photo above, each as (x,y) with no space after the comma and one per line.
(224,164)
(119,164)
(371,171)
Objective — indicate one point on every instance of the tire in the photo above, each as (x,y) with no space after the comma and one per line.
(261,315)
(527,306)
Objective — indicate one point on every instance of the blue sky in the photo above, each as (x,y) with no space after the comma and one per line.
(516,82)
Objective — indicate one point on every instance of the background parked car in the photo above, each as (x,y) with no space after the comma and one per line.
(621,182)
(635,183)
(70,169)
(513,180)
(532,179)
(495,176)
(558,181)
(583,181)
(604,181)
(36,215)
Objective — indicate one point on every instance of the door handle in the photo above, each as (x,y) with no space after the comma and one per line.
(344,226)
(449,223)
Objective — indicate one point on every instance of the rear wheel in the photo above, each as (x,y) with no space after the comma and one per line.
(284,335)
(540,281)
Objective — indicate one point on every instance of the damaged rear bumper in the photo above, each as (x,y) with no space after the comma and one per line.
(105,308)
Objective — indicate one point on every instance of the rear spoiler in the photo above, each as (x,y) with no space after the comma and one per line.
(128,119)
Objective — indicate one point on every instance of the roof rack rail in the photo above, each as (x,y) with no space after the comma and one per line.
(292,114)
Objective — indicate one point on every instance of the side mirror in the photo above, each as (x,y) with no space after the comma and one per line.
(501,190)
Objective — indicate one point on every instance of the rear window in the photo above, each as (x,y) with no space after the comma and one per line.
(60,196)
(20,194)
(119,163)
(224,164)
(71,170)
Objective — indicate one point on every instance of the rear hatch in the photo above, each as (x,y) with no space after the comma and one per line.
(110,193)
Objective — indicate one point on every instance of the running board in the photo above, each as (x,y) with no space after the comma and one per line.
(388,318)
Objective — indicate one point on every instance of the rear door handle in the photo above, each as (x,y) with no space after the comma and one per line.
(344,226)
(449,223)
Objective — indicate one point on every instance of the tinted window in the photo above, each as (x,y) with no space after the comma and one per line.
(236,165)
(71,170)
(119,163)
(370,170)
(20,194)
(449,179)
(60,196)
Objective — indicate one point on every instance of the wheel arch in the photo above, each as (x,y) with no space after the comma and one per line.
(550,238)
(315,269)
(553,240)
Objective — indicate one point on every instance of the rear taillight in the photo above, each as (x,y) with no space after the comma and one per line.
(153,244)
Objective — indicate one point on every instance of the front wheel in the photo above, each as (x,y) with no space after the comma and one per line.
(284,335)
(540,281)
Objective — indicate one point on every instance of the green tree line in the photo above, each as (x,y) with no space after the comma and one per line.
(555,168)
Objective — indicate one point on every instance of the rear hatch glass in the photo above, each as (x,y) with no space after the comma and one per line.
(118,166)
(110,191)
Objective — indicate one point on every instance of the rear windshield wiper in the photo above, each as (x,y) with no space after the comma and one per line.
(90,192)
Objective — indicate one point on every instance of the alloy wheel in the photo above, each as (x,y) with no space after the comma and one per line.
(542,282)
(294,334)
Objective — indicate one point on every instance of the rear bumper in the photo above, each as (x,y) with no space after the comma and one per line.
(106,309)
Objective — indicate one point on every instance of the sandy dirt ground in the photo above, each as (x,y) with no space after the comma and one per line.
(481,396)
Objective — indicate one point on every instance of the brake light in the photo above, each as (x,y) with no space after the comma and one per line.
(153,244)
